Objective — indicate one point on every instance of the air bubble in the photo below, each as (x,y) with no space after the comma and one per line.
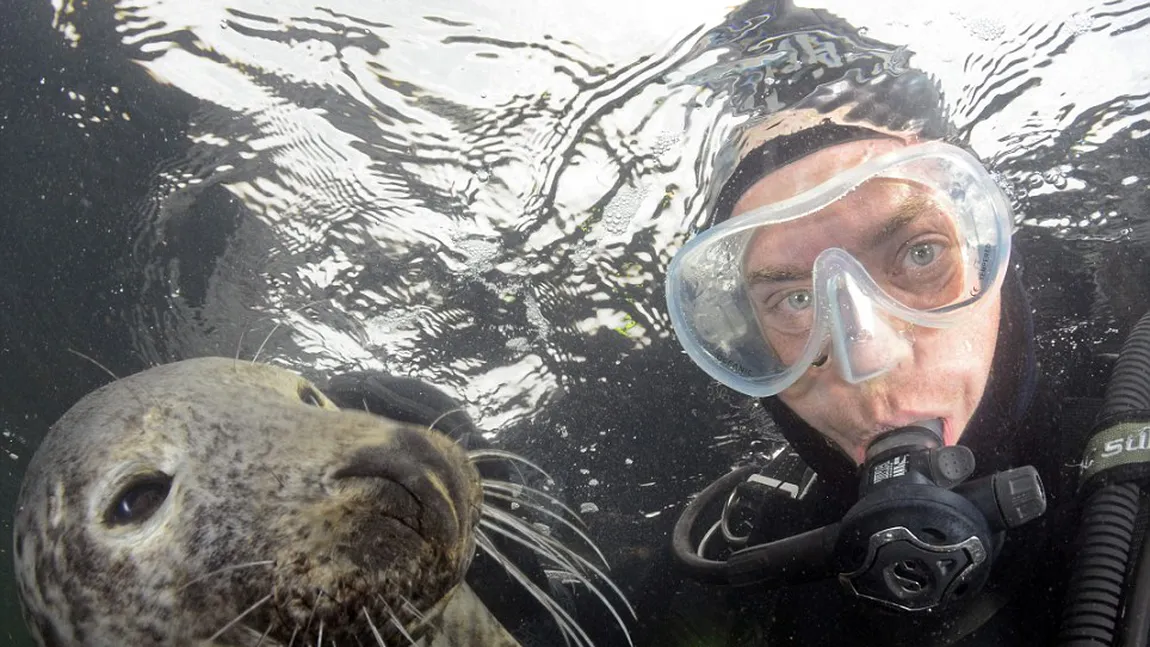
(1055,177)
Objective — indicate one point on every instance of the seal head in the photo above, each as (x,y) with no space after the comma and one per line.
(221,502)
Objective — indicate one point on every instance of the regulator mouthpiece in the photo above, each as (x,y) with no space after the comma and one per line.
(921,536)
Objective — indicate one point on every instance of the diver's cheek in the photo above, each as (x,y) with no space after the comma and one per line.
(968,374)
(830,407)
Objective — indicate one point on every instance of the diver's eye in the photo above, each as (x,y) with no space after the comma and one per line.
(308,395)
(139,500)
(923,254)
(800,299)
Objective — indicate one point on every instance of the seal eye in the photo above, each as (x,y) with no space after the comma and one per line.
(309,395)
(139,500)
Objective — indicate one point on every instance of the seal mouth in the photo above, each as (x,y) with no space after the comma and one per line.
(353,616)
(377,580)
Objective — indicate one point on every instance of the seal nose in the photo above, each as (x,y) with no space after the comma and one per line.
(410,461)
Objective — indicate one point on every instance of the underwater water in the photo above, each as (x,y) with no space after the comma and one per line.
(486,196)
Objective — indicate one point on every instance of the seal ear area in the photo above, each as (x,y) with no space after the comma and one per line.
(246,379)
(312,396)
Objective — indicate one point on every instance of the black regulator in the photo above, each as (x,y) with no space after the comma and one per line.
(920,537)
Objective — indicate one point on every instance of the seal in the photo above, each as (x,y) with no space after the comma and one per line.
(219,502)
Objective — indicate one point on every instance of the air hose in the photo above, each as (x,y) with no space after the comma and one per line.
(1094,600)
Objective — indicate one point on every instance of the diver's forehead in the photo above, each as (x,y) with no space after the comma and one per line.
(854,223)
(812,170)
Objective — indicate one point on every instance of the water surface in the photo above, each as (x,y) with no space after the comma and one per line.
(486,196)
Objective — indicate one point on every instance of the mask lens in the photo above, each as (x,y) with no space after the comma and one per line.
(922,234)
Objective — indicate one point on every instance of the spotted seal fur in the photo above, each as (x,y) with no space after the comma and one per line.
(218,502)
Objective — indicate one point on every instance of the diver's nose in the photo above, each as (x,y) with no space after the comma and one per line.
(865,343)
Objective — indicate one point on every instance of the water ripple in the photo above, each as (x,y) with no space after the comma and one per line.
(487,195)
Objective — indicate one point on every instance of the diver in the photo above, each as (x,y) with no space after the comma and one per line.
(857,279)
(856,276)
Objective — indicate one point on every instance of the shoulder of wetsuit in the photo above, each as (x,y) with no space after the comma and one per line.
(414,401)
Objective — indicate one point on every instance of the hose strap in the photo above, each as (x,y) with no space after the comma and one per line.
(1119,452)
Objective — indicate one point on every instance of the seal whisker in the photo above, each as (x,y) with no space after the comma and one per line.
(256,357)
(259,603)
(98,364)
(559,547)
(109,372)
(240,341)
(567,625)
(546,546)
(550,547)
(294,633)
(398,625)
(534,544)
(558,517)
(480,454)
(234,567)
(319,638)
(311,616)
(374,629)
(431,425)
(550,552)
(411,608)
(264,636)
(516,489)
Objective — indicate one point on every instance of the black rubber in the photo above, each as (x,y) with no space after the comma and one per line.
(1094,600)
(705,570)
(1094,592)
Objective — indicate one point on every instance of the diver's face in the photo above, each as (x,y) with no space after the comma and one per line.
(906,242)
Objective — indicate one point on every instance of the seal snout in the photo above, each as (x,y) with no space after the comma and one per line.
(409,478)
(378,470)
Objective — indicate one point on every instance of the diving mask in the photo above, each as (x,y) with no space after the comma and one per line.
(915,237)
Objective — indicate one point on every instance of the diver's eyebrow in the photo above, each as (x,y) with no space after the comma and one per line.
(778,274)
(907,212)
